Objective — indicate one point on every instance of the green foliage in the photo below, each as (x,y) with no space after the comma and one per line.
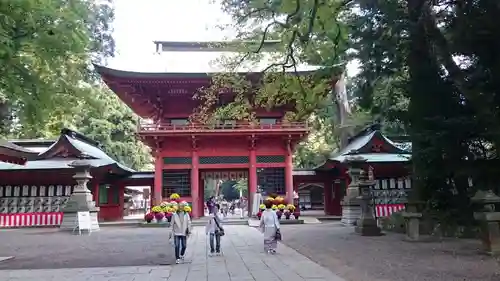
(114,126)
(302,94)
(307,32)
(45,47)
(394,223)
(46,82)
(379,41)
(410,80)
(242,186)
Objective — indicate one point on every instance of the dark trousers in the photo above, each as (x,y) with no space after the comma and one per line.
(216,238)
(180,246)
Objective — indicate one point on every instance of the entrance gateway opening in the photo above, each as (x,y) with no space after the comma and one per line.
(226,183)
(229,188)
(232,186)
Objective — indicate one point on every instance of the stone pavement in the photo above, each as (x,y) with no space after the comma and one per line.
(243,260)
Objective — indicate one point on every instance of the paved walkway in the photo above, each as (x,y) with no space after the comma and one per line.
(243,260)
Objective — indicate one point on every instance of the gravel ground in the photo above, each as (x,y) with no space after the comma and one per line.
(49,248)
(388,258)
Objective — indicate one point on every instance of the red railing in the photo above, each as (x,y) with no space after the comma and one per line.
(166,127)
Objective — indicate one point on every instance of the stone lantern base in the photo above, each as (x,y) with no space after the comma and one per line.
(351,212)
(490,230)
(81,199)
(368,227)
(79,202)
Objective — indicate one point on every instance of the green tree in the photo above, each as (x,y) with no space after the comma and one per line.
(410,77)
(45,52)
(242,187)
(114,126)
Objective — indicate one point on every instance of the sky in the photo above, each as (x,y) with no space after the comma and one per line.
(138,23)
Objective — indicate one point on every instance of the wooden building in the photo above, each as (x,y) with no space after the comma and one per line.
(34,193)
(186,153)
(388,160)
(14,154)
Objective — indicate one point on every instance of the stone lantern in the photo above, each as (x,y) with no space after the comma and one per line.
(351,205)
(81,198)
(367,224)
(412,216)
(489,219)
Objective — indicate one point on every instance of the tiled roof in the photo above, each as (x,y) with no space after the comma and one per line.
(399,152)
(84,146)
(55,163)
(11,149)
(379,157)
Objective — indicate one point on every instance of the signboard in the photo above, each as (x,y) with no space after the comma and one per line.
(84,222)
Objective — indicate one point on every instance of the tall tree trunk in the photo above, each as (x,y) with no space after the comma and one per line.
(343,111)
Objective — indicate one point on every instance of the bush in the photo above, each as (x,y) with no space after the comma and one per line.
(394,223)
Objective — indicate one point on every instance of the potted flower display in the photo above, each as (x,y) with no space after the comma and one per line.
(281,207)
(156,209)
(262,207)
(279,214)
(296,214)
(175,197)
(278,200)
(159,216)
(259,214)
(168,215)
(188,210)
(149,217)
(287,214)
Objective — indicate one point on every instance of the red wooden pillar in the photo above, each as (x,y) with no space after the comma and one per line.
(156,195)
(121,199)
(252,180)
(201,195)
(289,177)
(195,188)
(329,195)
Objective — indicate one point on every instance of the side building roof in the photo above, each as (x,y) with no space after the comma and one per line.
(374,146)
(69,147)
(14,154)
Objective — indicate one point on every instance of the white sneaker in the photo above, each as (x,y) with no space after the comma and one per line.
(211,254)
(177,261)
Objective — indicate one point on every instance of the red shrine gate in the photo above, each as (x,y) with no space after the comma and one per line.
(183,149)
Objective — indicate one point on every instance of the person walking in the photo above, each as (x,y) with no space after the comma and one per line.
(210,204)
(270,226)
(215,231)
(181,229)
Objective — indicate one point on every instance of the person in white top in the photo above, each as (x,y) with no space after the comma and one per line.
(181,229)
(270,226)
(215,231)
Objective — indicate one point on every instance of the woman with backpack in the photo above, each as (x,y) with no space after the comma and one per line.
(215,231)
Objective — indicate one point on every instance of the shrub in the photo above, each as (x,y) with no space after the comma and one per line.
(395,223)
